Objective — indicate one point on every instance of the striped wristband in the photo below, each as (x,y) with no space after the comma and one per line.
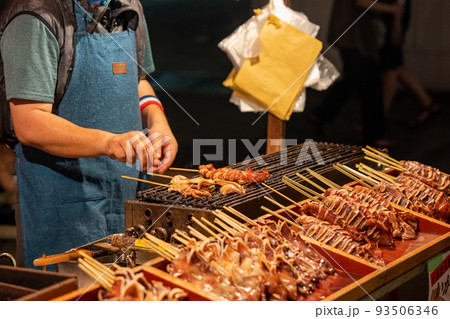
(147,100)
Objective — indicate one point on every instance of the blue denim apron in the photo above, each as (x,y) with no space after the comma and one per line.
(67,202)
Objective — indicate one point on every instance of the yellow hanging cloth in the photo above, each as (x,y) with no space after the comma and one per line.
(276,77)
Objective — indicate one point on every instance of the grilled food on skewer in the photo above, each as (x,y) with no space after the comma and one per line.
(266,262)
(199,186)
(349,216)
(401,225)
(428,175)
(338,238)
(128,286)
(242,177)
(411,193)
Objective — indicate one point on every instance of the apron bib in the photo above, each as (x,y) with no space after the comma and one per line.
(68,202)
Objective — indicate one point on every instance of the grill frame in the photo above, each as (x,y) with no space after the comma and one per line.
(162,212)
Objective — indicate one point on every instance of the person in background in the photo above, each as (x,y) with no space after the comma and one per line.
(74,76)
(393,68)
(359,46)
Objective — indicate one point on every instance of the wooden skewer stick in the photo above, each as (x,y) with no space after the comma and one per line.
(95,261)
(103,268)
(224,226)
(282,195)
(363,179)
(233,220)
(161,175)
(300,190)
(144,181)
(279,216)
(99,266)
(382,162)
(158,250)
(179,232)
(159,245)
(99,276)
(229,221)
(94,276)
(100,273)
(355,178)
(181,240)
(386,177)
(207,222)
(173,250)
(168,247)
(323,179)
(384,159)
(371,174)
(383,154)
(155,247)
(379,161)
(311,182)
(282,206)
(240,215)
(196,233)
(183,169)
(163,244)
(358,174)
(204,227)
(307,189)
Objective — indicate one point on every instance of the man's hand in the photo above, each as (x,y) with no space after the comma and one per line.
(166,146)
(128,147)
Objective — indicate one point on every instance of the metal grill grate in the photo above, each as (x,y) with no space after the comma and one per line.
(331,154)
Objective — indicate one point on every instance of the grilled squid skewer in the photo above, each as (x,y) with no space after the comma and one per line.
(234,175)
(195,187)
(338,238)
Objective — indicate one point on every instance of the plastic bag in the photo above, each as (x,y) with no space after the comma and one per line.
(244,43)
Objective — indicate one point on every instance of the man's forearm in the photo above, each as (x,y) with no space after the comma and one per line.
(55,135)
(152,114)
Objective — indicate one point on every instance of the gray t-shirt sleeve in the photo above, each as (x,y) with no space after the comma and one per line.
(148,66)
(30,54)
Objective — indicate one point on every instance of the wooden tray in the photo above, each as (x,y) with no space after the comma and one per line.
(433,238)
(357,277)
(349,268)
(31,284)
(90,293)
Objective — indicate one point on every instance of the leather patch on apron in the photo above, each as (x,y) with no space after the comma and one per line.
(120,68)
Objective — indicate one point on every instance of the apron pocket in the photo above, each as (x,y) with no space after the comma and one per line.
(84,180)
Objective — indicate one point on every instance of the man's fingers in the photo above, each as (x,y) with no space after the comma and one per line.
(166,160)
(141,154)
(130,153)
(143,147)
(156,145)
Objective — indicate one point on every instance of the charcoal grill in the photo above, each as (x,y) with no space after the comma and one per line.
(163,212)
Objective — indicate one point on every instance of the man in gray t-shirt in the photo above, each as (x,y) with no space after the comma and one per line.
(70,163)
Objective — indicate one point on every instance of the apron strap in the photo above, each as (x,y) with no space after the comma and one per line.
(82,17)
